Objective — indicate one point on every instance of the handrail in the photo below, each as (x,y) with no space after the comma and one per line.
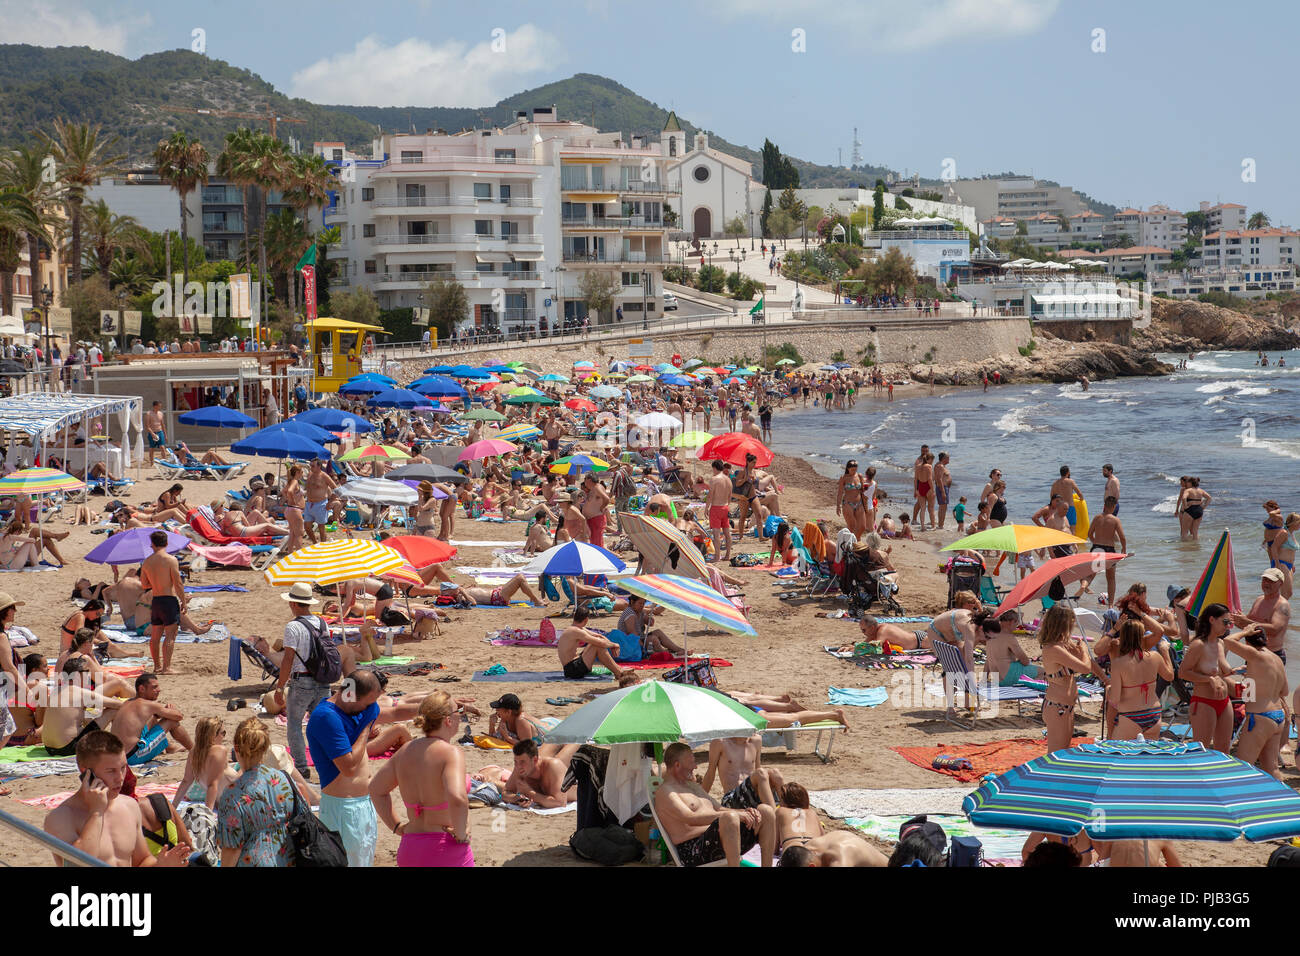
(70,853)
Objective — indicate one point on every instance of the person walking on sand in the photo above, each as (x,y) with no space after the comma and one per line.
(161,574)
(719,504)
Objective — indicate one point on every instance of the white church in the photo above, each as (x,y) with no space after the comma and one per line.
(716,188)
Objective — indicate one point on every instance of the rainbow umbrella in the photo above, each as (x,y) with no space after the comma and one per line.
(1014,538)
(578,464)
(584,364)
(691,599)
(375,453)
(1070,568)
(1218,583)
(39,481)
(333,561)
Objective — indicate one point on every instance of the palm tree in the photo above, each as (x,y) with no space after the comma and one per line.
(182,164)
(285,239)
(23,170)
(17,217)
(106,233)
(83,158)
(1258,220)
(308,184)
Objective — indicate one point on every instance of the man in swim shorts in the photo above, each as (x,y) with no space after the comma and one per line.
(316,514)
(579,648)
(161,575)
(719,503)
(683,806)
(144,723)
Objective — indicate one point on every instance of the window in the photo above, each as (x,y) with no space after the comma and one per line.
(631,279)
(597,177)
(484,267)
(338,155)
(367,193)
(672,145)
(701,174)
(482,190)
(354,232)
(505,155)
(368,230)
(482,227)
(370,267)
(503,191)
(509,230)
(412,156)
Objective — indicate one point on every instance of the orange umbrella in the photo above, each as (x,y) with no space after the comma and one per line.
(1069,568)
(419,551)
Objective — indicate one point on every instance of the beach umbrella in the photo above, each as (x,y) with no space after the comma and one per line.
(420,551)
(472,374)
(486,449)
(378,491)
(519,433)
(1218,583)
(363,388)
(665,367)
(397,398)
(743,372)
(733,447)
(1133,790)
(439,370)
(639,379)
(1014,538)
(217,416)
(578,465)
(405,574)
(691,363)
(656,712)
(530,400)
(689,598)
(374,377)
(521,390)
(658,421)
(664,546)
(786,362)
(483,415)
(278,441)
(375,453)
(501,369)
(616,377)
(580,405)
(420,471)
(575,558)
(436,386)
(133,546)
(584,363)
(689,440)
(553,377)
(677,380)
(734,381)
(39,481)
(333,561)
(1070,568)
(414,483)
(605,391)
(315,433)
(333,420)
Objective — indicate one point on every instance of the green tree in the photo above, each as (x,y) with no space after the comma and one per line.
(447,302)
(82,159)
(781,224)
(23,171)
(767,211)
(735,229)
(1196,223)
(285,239)
(356,305)
(87,299)
(597,288)
(1258,220)
(772,171)
(1022,228)
(877,205)
(17,217)
(896,273)
(811,220)
(183,164)
(789,175)
(711,279)
(106,233)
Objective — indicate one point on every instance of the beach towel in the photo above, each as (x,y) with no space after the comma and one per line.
(849,697)
(533,677)
(124,672)
(1000,845)
(50,801)
(205,588)
(542,811)
(660,660)
(37,768)
(484,742)
(841,804)
(994,757)
(43,566)
(229,555)
(389,661)
(118,636)
(460,543)
(25,754)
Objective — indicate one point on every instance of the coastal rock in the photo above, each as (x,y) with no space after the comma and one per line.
(1052,360)
(1179,325)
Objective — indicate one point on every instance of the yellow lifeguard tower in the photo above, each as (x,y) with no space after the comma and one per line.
(335,351)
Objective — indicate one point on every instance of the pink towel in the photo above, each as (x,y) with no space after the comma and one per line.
(233,555)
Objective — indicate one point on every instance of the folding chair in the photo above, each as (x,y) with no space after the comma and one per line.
(957,677)
(652,783)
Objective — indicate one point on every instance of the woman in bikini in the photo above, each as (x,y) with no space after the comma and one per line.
(1195,501)
(17,550)
(1267,719)
(964,626)
(1133,669)
(796,821)
(426,509)
(1273,526)
(205,766)
(170,506)
(1063,657)
(870,492)
(429,772)
(848,499)
(1282,552)
(1205,667)
(295,499)
(234,524)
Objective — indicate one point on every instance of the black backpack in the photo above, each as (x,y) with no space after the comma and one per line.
(323,662)
(608,845)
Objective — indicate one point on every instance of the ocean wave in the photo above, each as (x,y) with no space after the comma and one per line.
(1016,420)
(889,420)
(1073,391)
(1214,388)
(854,446)
(1166,507)
(1215,400)
(1169,478)
(1110,401)
(1257,391)
(1284,449)
(1131,404)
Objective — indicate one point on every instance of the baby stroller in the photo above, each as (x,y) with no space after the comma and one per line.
(864,586)
(964,575)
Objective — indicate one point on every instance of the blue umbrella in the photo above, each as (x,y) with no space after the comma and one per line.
(473,374)
(362,388)
(576,558)
(309,431)
(439,370)
(279,442)
(397,398)
(333,420)
(1131,790)
(435,386)
(373,377)
(217,416)
(675,380)
(133,546)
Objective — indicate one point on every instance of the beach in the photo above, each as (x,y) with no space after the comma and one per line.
(786,656)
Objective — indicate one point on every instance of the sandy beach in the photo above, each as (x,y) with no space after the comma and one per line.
(786,656)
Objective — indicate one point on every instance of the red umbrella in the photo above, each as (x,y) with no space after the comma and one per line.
(580,404)
(1071,568)
(419,550)
(733,447)
(645,368)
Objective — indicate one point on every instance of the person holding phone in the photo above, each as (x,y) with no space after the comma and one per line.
(98,818)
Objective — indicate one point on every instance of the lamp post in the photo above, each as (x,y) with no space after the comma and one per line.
(559,299)
(645,319)
(47,297)
(121,314)
(420,298)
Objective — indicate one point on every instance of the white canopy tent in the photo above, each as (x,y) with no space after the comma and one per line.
(41,416)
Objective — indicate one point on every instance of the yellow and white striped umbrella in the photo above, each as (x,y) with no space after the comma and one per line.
(334,561)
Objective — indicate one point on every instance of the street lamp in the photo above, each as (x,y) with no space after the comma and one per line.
(47,297)
(559,299)
(121,315)
(645,281)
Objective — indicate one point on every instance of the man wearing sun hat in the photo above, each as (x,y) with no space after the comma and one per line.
(1271,611)
(305,691)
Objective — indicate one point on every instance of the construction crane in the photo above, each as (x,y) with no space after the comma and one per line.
(269,116)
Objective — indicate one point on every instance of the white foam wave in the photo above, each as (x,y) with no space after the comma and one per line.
(1073,391)
(1017,420)
(1131,404)
(854,446)
(889,420)
(1284,449)
(1110,401)
(1214,388)
(1169,478)
(1215,400)
(1166,507)
(1257,391)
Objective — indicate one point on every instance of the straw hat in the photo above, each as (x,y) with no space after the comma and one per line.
(7,601)
(300,593)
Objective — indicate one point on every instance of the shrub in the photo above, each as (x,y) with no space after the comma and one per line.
(786,350)
(711,279)
(837,355)
(1028,350)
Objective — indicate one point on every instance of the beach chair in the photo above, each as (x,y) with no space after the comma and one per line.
(822,576)
(788,737)
(652,783)
(203,522)
(956,677)
(989,592)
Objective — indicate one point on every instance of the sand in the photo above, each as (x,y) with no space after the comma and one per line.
(785,657)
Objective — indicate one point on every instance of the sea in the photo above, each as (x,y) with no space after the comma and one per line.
(1224,419)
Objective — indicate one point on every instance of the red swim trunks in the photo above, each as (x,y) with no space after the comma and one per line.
(718,517)
(596,530)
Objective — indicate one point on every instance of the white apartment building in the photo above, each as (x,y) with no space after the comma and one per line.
(1132,259)
(1018,198)
(1224,216)
(516,215)
(1237,249)
(1248,283)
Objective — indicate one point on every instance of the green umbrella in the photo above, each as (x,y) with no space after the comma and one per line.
(530,400)
(657,712)
(483,415)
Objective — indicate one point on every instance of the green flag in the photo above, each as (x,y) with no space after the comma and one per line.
(308,257)
(758,306)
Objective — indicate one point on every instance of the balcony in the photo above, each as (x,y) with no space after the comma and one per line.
(442,164)
(637,258)
(472,279)
(424,202)
(636,186)
(590,222)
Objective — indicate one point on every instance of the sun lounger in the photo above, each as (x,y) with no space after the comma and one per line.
(788,737)
(202,521)
(173,468)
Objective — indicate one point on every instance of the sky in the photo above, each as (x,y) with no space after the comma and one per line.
(1132,103)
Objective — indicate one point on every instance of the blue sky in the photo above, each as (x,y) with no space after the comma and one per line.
(1181,95)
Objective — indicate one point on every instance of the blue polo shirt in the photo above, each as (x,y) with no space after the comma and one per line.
(331,734)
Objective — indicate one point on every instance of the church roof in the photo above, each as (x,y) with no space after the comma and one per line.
(671,125)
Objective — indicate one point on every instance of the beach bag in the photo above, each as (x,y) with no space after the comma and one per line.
(201,822)
(608,845)
(313,844)
(393,618)
(699,674)
(629,646)
(323,662)
(965,851)
(771,524)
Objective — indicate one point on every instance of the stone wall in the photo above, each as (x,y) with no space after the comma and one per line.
(900,341)
(1115,331)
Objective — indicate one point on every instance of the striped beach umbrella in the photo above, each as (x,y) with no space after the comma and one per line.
(379,491)
(375,453)
(664,546)
(521,432)
(39,481)
(1131,790)
(605,391)
(333,561)
(656,712)
(689,598)
(578,465)
(405,574)
(574,558)
(1218,583)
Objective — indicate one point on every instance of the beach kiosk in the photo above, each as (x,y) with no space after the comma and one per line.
(335,351)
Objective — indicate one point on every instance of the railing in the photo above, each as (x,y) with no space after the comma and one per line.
(629,258)
(446,238)
(918,234)
(525,202)
(612,222)
(636,186)
(70,854)
(430,275)
(417,202)
(442,161)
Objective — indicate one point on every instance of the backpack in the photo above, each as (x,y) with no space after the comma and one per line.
(609,845)
(322,662)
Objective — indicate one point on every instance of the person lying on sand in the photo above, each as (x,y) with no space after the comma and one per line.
(837,848)
(784,711)
(536,779)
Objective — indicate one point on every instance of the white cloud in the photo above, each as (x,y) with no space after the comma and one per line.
(911,26)
(414,72)
(62,24)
